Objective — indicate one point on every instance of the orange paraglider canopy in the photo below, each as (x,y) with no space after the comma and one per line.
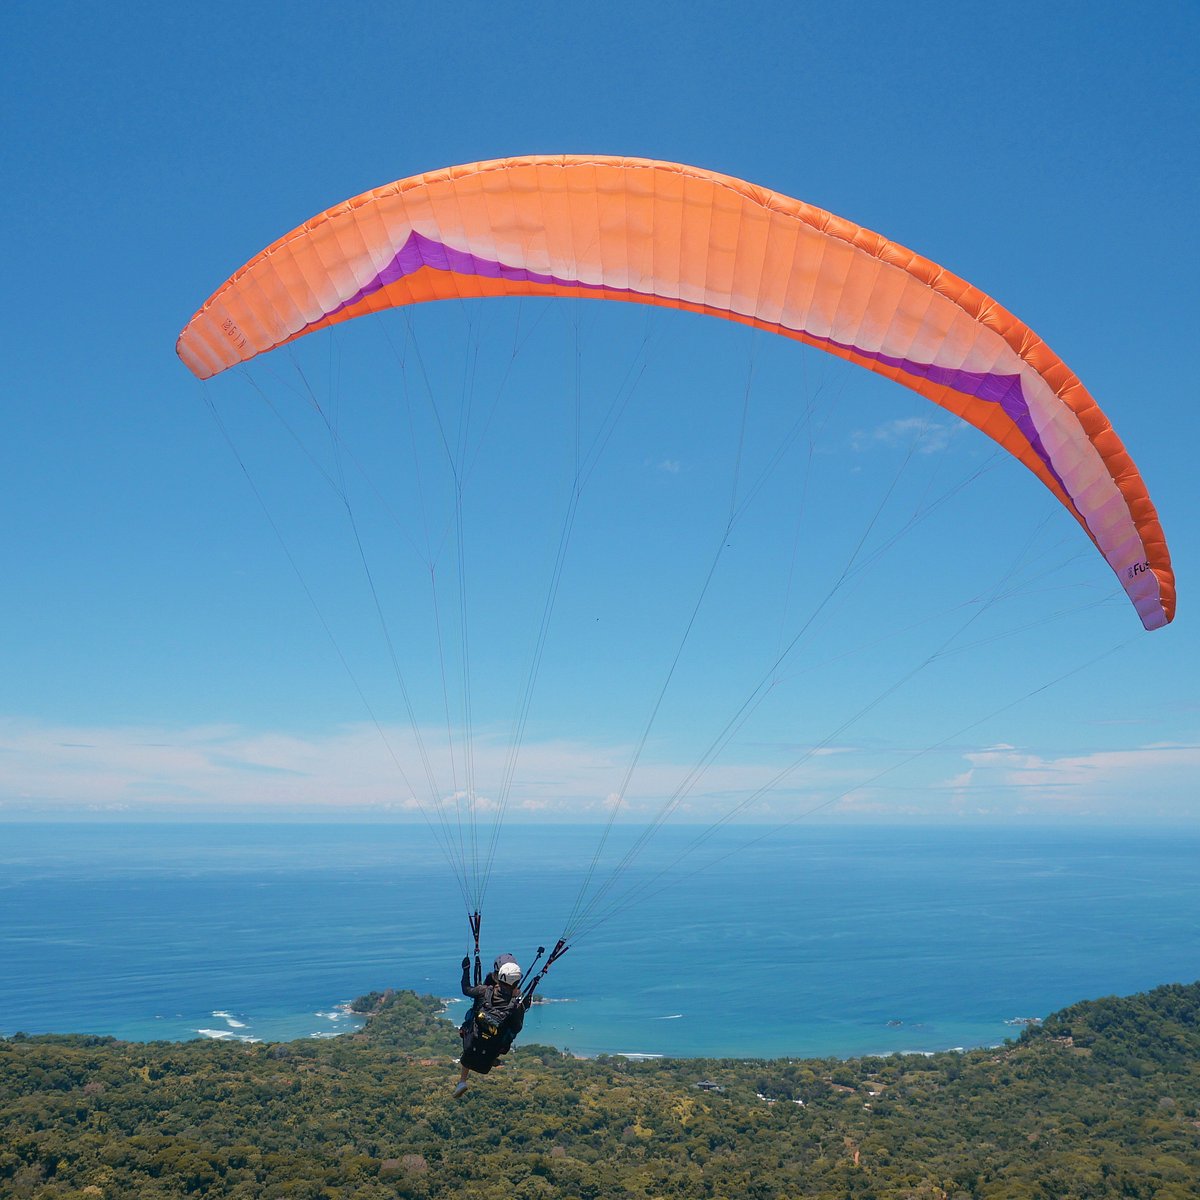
(661,233)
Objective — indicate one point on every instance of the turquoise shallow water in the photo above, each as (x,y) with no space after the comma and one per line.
(821,941)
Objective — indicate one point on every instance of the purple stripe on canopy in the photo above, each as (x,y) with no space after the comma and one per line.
(420,251)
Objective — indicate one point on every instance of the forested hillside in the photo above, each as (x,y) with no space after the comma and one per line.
(1102,1100)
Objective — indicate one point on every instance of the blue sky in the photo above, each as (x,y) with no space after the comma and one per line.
(160,656)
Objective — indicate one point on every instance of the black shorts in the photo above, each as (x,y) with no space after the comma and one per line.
(479,1054)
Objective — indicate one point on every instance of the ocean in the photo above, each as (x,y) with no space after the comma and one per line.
(818,941)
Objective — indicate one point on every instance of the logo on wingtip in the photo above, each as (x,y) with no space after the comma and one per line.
(234,334)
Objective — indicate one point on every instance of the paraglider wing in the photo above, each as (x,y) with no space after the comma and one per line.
(661,233)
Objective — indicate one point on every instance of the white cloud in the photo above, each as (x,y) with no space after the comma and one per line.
(225,768)
(218,769)
(925,434)
(1152,780)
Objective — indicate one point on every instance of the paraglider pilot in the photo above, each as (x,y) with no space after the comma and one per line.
(495,1018)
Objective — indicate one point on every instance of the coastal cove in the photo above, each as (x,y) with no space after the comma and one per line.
(820,941)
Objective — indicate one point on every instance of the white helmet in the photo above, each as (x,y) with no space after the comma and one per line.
(510,974)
